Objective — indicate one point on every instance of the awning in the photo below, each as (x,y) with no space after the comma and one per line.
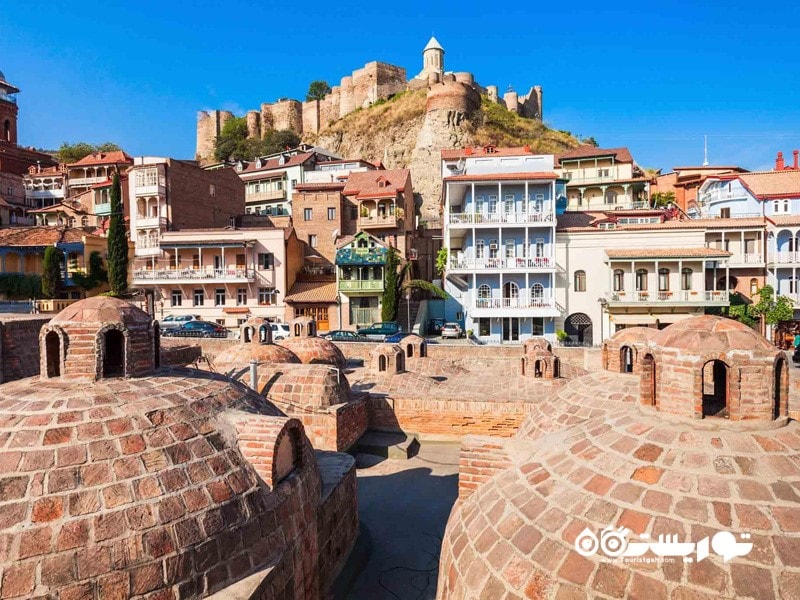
(236,310)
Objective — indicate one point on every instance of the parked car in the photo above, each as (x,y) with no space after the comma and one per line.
(379,331)
(173,321)
(343,335)
(435,326)
(197,329)
(452,330)
(280,331)
(396,337)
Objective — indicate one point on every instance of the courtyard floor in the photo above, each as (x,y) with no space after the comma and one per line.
(403,506)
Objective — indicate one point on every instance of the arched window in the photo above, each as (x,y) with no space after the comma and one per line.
(382,362)
(510,294)
(580,281)
(114,353)
(52,344)
(619,280)
(641,280)
(753,287)
(686,279)
(611,197)
(663,280)
(537,292)
(626,359)
(484,291)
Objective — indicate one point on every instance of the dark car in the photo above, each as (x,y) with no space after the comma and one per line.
(343,335)
(796,355)
(379,331)
(395,337)
(435,326)
(198,329)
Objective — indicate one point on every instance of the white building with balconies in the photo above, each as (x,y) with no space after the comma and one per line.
(499,233)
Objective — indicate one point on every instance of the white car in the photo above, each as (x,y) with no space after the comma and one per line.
(173,321)
(280,331)
(451,330)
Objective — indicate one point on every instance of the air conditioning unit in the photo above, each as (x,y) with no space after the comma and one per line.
(412,254)
(493,247)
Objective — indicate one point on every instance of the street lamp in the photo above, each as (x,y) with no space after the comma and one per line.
(603,304)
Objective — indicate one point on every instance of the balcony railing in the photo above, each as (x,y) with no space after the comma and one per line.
(210,274)
(784,257)
(45,194)
(537,262)
(746,259)
(500,218)
(158,189)
(361,285)
(150,222)
(82,181)
(681,297)
(265,196)
(102,209)
(378,221)
(533,302)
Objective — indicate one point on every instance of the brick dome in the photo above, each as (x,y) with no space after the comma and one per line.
(135,488)
(707,333)
(636,335)
(302,386)
(315,350)
(623,351)
(515,536)
(238,357)
(101,309)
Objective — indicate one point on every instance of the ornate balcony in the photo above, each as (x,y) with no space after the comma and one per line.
(500,218)
(690,297)
(361,285)
(192,275)
(499,264)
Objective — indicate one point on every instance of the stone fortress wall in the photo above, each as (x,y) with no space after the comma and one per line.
(375,81)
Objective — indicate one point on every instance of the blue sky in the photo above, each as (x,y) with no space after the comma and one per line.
(653,77)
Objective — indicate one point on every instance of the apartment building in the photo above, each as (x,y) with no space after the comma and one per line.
(685,182)
(224,275)
(96,168)
(603,179)
(499,229)
(168,194)
(45,186)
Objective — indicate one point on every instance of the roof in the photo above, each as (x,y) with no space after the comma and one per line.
(697,252)
(485,151)
(711,168)
(588,221)
(102,309)
(772,184)
(312,291)
(785,220)
(580,183)
(64,205)
(103,158)
(310,187)
(433,44)
(503,176)
(40,236)
(377,184)
(619,154)
(274,163)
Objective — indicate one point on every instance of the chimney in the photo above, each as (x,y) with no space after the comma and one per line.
(468,150)
(795,163)
(526,148)
(779,164)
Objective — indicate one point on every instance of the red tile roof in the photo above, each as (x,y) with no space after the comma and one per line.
(768,185)
(377,184)
(312,291)
(310,187)
(503,176)
(619,154)
(697,252)
(103,158)
(273,163)
(39,236)
(485,151)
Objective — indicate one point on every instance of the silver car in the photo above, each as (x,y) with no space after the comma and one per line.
(452,330)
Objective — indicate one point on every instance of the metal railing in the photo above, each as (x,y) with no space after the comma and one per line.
(360,285)
(265,196)
(377,221)
(681,297)
(521,302)
(475,218)
(784,257)
(226,274)
(746,259)
(536,262)
(150,221)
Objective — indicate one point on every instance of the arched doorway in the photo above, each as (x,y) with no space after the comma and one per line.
(579,328)
(52,343)
(538,371)
(648,380)
(382,362)
(626,359)
(114,353)
(715,389)
(410,350)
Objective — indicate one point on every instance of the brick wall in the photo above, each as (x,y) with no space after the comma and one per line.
(19,347)
(481,458)
(191,203)
(319,202)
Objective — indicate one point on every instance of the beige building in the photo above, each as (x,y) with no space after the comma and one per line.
(223,275)
(603,179)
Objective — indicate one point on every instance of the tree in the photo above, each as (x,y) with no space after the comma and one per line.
(773,308)
(231,143)
(662,199)
(589,141)
(72,153)
(277,141)
(117,243)
(442,258)
(318,90)
(95,276)
(391,287)
(51,272)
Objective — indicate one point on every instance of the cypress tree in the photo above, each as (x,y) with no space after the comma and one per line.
(390,287)
(117,243)
(51,272)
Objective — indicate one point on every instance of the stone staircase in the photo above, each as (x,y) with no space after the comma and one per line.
(388,444)
(403,313)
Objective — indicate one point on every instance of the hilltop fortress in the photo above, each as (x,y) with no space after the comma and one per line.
(375,81)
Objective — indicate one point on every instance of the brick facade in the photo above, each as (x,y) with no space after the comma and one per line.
(19,348)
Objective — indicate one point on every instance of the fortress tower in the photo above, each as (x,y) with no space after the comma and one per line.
(432,59)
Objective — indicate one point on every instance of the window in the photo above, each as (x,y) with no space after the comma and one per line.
(619,280)
(331,213)
(312,241)
(753,287)
(212,190)
(641,280)
(484,326)
(177,298)
(510,248)
(537,292)
(241,296)
(663,280)
(146,177)
(580,281)
(308,214)
(198,297)
(611,197)
(484,293)
(219,297)
(686,279)
(786,206)
(492,248)
(266,260)
(775,205)
(538,326)
(725,213)
(603,172)
(266,296)
(480,248)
